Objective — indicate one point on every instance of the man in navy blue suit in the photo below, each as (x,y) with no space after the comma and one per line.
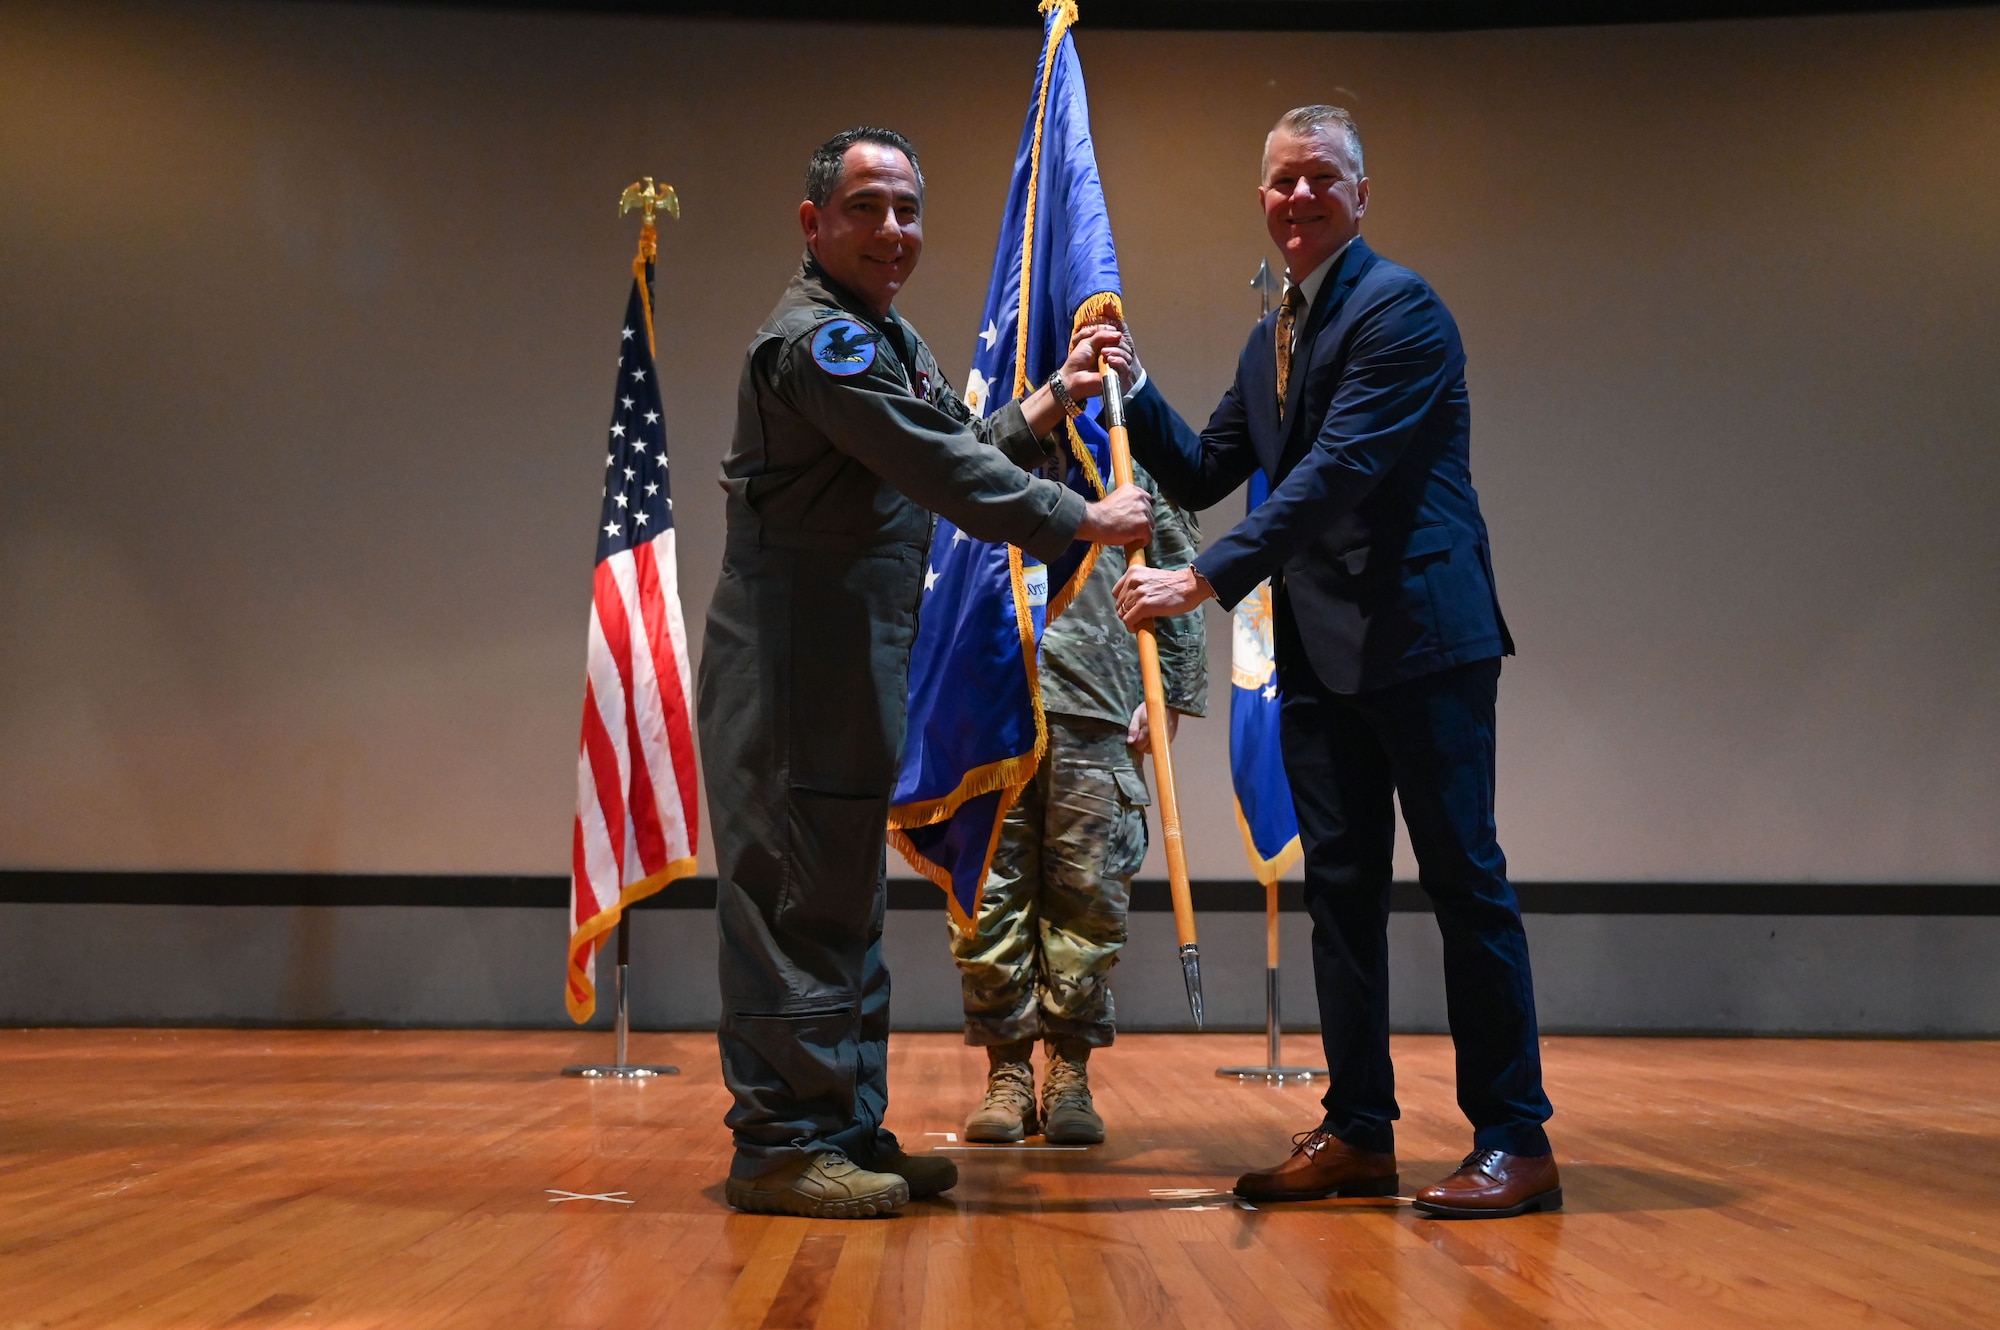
(1351,399)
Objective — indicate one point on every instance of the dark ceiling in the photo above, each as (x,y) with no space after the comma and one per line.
(1286,15)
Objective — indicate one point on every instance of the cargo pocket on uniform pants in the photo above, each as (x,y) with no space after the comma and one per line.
(836,848)
(1127,848)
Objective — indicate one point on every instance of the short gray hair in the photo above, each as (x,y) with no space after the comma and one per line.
(1321,119)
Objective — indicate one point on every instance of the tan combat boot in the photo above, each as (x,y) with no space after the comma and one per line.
(819,1186)
(1067,1115)
(1007,1114)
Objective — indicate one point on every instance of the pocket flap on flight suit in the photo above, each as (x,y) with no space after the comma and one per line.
(1133,786)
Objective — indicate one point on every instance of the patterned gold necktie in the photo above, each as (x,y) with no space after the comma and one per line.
(1288,318)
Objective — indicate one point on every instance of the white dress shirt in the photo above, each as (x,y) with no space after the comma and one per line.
(1309,290)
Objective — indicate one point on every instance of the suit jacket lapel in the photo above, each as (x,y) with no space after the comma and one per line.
(1332,295)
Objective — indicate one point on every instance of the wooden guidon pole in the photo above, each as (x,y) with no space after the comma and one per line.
(1156,717)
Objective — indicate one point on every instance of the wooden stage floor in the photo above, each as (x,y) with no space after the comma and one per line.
(203,1178)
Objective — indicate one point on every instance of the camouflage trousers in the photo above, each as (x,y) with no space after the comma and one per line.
(1052,911)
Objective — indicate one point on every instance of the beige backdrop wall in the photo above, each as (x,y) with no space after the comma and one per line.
(308,316)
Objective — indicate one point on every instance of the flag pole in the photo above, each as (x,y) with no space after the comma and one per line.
(619,1069)
(650,199)
(1272,1070)
(1156,717)
(1272,1035)
(642,193)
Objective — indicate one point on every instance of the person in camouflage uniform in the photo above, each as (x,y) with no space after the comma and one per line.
(1051,919)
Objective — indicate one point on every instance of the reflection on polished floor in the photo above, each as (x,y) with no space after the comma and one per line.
(201,1178)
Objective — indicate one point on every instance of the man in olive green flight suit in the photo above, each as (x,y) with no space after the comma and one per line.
(846,434)
(1051,918)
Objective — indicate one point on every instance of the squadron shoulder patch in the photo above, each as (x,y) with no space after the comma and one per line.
(843,347)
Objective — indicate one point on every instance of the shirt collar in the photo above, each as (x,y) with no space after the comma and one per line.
(895,332)
(1314,280)
(811,271)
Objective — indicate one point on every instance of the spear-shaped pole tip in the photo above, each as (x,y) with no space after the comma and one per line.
(1264,283)
(1191,972)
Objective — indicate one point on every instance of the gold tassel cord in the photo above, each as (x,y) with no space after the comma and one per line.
(651,200)
(649,249)
(1065,12)
(1011,775)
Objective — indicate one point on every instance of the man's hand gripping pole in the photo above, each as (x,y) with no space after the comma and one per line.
(1156,715)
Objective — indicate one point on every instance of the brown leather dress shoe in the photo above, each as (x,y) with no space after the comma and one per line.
(1492,1184)
(1321,1165)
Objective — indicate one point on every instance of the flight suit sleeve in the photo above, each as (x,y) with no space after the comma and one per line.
(1006,429)
(962,470)
(1182,638)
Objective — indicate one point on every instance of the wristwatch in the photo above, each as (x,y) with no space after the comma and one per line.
(1061,394)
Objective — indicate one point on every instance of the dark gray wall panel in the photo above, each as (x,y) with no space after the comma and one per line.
(440,966)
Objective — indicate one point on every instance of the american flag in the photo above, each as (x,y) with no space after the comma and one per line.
(635,799)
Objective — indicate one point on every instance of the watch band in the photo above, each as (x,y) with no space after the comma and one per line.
(1061,394)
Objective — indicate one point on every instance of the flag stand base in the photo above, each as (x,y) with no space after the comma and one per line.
(620,1070)
(1273,1037)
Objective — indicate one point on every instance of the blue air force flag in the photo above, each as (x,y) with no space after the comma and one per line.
(1264,811)
(976,731)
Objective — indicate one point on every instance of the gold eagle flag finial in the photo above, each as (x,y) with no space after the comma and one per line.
(650,199)
(643,193)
